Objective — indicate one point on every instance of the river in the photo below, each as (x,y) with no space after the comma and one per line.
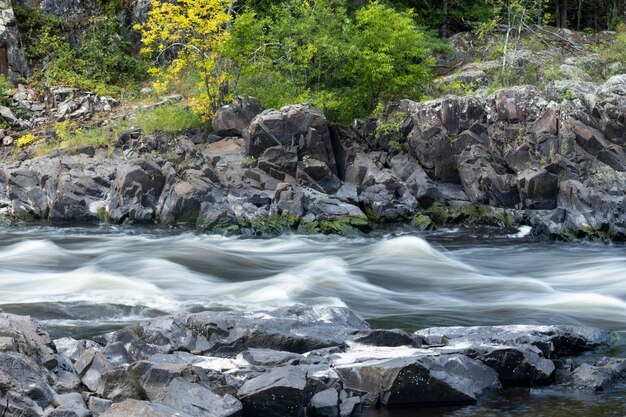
(81,281)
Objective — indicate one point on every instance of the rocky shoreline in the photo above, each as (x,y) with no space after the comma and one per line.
(552,159)
(295,361)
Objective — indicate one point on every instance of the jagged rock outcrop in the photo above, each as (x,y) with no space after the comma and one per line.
(292,361)
(13,61)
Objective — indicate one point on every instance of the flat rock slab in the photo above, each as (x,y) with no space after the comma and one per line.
(554,341)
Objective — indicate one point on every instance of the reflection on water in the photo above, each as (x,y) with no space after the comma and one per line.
(518,402)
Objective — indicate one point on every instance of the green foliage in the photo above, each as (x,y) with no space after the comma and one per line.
(616,53)
(319,52)
(6,90)
(104,61)
(170,118)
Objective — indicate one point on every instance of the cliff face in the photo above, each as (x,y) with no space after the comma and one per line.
(13,61)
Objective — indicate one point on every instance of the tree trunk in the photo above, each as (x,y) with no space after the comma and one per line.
(564,14)
(557,13)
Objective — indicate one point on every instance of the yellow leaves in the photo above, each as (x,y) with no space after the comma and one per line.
(189,35)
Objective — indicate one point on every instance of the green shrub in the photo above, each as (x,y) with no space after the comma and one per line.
(104,62)
(170,118)
(321,52)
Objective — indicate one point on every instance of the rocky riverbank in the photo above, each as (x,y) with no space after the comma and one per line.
(296,361)
(550,159)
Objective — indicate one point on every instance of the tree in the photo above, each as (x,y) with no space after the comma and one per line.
(320,52)
(189,36)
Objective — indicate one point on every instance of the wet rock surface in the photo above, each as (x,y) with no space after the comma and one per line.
(295,361)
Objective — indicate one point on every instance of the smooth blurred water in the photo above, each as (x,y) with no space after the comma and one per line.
(85,281)
(82,281)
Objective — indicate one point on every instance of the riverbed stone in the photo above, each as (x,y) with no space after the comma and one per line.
(425,380)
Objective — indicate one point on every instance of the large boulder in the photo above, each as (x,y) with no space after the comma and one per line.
(233,119)
(135,192)
(418,380)
(487,180)
(299,126)
(538,189)
(435,125)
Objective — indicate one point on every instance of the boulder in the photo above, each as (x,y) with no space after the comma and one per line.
(599,377)
(233,119)
(277,393)
(419,380)
(302,126)
(486,180)
(553,341)
(538,189)
(135,408)
(135,192)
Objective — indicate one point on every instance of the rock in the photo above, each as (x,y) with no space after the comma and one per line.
(593,141)
(29,339)
(8,116)
(390,338)
(324,404)
(233,119)
(485,180)
(419,381)
(299,125)
(516,366)
(553,341)
(268,357)
(279,162)
(11,45)
(227,333)
(71,404)
(598,377)
(195,400)
(277,393)
(91,367)
(538,189)
(434,122)
(135,192)
(7,141)
(134,408)
(70,9)
(98,406)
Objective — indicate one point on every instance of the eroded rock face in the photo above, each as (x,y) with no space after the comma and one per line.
(11,45)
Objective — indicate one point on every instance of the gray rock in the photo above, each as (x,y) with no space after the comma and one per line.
(599,377)
(553,341)
(277,393)
(234,118)
(134,408)
(419,380)
(98,406)
(324,404)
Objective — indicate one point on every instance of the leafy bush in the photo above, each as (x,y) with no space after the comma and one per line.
(104,61)
(319,52)
(26,140)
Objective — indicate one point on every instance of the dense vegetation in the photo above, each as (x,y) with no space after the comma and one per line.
(346,56)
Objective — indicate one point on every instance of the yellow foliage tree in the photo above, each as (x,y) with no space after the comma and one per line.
(189,35)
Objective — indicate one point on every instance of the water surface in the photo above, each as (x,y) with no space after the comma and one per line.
(85,281)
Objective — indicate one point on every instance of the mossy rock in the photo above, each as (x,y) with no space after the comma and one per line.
(274,225)
(344,226)
(423,222)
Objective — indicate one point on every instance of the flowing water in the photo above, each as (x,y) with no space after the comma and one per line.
(85,281)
